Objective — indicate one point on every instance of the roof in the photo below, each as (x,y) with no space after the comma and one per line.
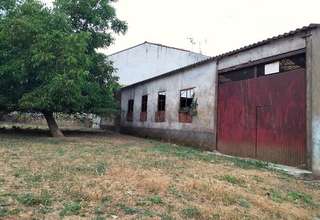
(230,53)
(155,44)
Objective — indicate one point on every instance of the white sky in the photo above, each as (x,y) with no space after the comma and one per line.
(216,26)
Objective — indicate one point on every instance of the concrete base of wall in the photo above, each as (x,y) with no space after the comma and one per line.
(202,140)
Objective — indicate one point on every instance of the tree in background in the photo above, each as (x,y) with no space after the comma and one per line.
(49,61)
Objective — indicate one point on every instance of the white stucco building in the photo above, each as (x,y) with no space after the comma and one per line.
(148,60)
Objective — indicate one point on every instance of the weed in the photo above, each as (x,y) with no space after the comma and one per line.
(244,203)
(276,196)
(215,216)
(128,210)
(30,199)
(155,200)
(101,168)
(191,212)
(301,197)
(233,180)
(149,213)
(33,179)
(61,152)
(6,212)
(166,216)
(71,208)
(249,164)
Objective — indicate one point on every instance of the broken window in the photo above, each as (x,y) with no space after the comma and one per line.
(292,63)
(161,101)
(144,103)
(186,99)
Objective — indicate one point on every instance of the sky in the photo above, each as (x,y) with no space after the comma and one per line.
(215,26)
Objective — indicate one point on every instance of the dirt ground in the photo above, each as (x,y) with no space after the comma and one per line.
(112,176)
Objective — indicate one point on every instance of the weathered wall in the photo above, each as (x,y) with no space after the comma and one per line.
(203,79)
(268,50)
(313,54)
(149,60)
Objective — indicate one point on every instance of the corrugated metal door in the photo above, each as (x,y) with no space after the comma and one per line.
(264,118)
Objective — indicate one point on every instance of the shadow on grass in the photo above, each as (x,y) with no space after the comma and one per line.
(31,132)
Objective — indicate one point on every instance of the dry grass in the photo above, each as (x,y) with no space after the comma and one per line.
(110,176)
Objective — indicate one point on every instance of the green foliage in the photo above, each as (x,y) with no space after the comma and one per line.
(48,57)
(191,212)
(155,200)
(72,208)
(233,180)
(300,197)
(30,199)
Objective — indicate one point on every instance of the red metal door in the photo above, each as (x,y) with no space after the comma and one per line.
(264,118)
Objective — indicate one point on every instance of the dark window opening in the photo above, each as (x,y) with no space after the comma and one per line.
(130,110)
(238,75)
(263,69)
(144,103)
(161,101)
(130,105)
(186,99)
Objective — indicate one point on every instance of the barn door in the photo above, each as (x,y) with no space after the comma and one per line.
(264,118)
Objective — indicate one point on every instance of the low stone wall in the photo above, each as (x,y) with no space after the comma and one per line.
(202,140)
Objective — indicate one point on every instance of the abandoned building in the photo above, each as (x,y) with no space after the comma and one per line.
(260,101)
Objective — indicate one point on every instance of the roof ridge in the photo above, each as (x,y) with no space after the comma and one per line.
(156,44)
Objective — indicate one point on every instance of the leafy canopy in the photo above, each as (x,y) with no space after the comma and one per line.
(48,56)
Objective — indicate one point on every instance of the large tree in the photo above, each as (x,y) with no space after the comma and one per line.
(49,61)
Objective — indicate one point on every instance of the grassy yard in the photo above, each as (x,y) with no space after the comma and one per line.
(111,176)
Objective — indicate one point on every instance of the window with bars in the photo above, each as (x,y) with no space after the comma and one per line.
(161,101)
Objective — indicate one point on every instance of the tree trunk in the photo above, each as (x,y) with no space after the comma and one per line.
(52,124)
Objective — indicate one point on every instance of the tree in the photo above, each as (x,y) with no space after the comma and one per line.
(49,61)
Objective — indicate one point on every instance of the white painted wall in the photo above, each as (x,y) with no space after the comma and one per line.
(148,60)
(202,78)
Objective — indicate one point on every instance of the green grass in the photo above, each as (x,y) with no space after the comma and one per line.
(191,212)
(233,180)
(71,208)
(30,199)
(155,200)
(300,197)
(128,210)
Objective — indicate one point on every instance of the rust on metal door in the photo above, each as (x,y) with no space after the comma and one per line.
(264,118)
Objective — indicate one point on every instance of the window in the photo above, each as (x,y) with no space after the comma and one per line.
(144,108)
(186,99)
(130,110)
(161,101)
(271,68)
(237,75)
(144,103)
(264,67)
(130,105)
